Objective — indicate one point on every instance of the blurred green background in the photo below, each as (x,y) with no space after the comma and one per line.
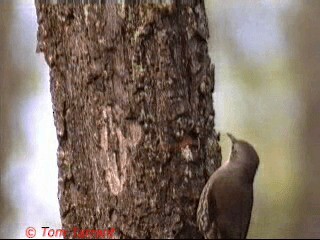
(267,58)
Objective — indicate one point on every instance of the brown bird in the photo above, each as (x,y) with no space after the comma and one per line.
(225,203)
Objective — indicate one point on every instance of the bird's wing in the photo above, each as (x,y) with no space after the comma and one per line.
(229,211)
(206,212)
(214,234)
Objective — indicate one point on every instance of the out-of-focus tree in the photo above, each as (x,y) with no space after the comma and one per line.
(8,78)
(304,40)
(16,82)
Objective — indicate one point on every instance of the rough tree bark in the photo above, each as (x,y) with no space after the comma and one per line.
(131,88)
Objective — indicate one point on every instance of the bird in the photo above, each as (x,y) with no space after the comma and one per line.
(225,205)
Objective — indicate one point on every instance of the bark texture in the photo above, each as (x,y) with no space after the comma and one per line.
(132,91)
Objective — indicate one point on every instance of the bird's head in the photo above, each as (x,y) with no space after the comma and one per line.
(244,153)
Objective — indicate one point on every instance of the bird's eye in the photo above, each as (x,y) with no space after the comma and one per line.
(234,150)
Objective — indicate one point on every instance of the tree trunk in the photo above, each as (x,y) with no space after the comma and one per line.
(131,88)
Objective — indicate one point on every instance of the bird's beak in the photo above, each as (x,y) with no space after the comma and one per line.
(232,138)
